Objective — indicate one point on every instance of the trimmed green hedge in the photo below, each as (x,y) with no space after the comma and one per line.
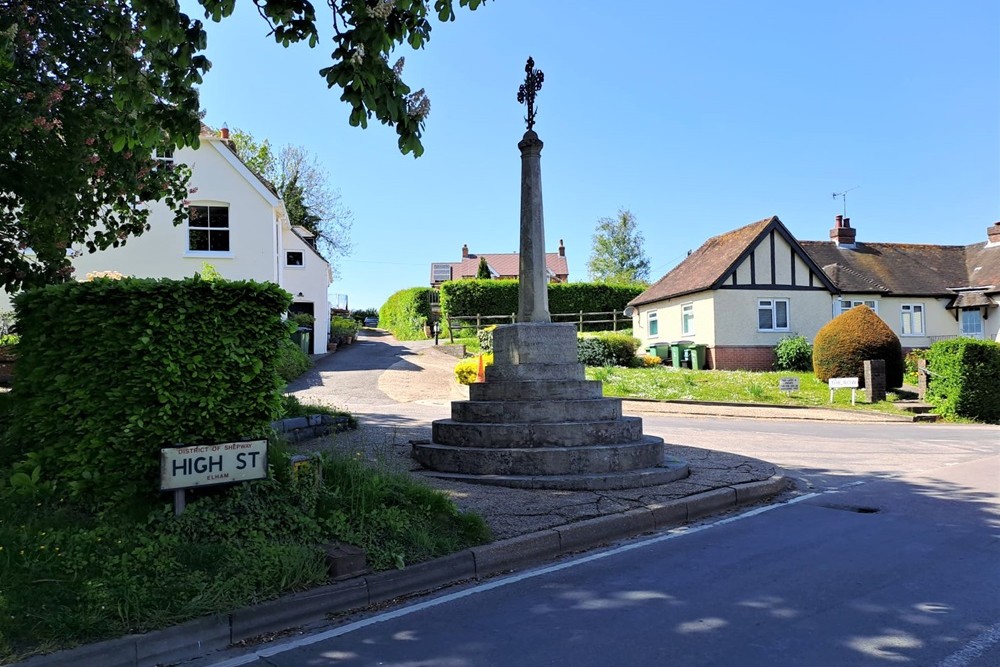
(609,349)
(963,379)
(406,312)
(110,371)
(460,298)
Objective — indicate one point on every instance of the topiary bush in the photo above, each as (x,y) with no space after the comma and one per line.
(110,371)
(793,353)
(843,345)
(963,380)
(607,350)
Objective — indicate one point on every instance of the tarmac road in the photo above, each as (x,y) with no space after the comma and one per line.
(889,553)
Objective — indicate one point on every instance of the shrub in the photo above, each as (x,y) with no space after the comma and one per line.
(302,319)
(963,379)
(406,312)
(610,349)
(343,327)
(793,353)
(485,336)
(467,370)
(848,340)
(110,371)
(291,361)
(650,360)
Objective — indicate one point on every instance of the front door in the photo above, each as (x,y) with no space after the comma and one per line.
(972,323)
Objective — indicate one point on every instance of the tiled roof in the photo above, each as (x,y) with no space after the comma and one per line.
(506,265)
(702,268)
(904,269)
(891,268)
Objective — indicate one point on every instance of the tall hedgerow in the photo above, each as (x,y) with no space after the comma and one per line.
(111,371)
(843,345)
(965,378)
(406,312)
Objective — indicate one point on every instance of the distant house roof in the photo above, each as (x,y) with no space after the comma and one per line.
(903,269)
(502,265)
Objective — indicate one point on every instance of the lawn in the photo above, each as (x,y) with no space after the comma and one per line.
(679,384)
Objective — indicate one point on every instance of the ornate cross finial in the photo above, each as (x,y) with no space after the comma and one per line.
(532,84)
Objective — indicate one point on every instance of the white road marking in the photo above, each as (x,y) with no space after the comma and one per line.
(974,649)
(672,534)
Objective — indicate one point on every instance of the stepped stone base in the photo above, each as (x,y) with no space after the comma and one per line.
(537,422)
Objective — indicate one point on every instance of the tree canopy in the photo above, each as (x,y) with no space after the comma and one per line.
(483,271)
(310,200)
(89,90)
(618,256)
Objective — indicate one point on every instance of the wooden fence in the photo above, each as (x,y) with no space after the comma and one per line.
(614,318)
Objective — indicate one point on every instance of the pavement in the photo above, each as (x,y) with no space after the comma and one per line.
(396,389)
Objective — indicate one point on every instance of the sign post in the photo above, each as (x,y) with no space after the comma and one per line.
(207,465)
(843,383)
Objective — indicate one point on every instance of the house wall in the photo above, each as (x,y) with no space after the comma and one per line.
(162,251)
(736,315)
(311,280)
(739,345)
(669,314)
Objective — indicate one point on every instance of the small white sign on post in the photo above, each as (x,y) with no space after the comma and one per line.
(788,384)
(843,383)
(205,465)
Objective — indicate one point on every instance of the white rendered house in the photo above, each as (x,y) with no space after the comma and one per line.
(237,223)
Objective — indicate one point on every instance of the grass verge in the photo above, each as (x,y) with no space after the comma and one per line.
(68,577)
(665,383)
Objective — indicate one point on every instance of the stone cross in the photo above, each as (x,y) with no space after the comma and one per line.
(533,286)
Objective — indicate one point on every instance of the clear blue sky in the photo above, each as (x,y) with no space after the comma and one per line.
(698,117)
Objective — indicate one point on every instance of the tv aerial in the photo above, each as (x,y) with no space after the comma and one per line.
(843,195)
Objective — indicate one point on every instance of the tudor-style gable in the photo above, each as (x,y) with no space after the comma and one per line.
(761,255)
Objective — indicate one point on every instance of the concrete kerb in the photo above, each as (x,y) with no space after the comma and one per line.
(201,636)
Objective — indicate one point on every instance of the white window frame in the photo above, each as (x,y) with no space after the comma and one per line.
(841,306)
(652,322)
(772,306)
(907,311)
(300,265)
(437,271)
(189,252)
(687,318)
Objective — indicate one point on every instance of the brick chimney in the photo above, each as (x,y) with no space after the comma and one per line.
(842,234)
(562,248)
(993,234)
(465,250)
(224,132)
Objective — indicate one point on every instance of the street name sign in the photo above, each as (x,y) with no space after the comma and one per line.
(205,465)
(843,383)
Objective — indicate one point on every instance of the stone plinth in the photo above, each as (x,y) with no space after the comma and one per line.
(537,422)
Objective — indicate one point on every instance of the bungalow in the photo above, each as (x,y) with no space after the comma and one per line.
(504,266)
(742,291)
(237,223)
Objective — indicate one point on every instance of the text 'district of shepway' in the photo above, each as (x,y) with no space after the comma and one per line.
(204,465)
